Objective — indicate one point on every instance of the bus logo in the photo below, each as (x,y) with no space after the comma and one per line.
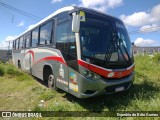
(6,114)
(111,74)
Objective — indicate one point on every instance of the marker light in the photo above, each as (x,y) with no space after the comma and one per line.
(96,76)
(90,75)
(85,72)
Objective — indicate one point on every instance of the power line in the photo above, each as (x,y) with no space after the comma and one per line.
(151,29)
(19,11)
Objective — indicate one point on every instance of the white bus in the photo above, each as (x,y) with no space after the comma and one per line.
(81,51)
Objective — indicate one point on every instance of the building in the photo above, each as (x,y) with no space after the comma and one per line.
(5,55)
(145,50)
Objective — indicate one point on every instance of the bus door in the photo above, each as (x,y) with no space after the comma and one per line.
(62,68)
(65,42)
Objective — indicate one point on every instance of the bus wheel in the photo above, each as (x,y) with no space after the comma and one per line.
(51,82)
(19,64)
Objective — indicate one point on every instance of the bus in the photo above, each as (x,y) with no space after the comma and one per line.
(78,50)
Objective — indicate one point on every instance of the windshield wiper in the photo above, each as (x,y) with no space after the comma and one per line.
(111,48)
(108,53)
(126,52)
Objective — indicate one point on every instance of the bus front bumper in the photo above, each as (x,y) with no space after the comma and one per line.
(90,88)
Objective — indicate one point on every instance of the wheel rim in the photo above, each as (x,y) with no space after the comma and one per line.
(51,81)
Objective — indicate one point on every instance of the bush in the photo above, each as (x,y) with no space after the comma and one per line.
(13,71)
(156,58)
(1,62)
(2,70)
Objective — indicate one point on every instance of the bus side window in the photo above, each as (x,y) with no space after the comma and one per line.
(14,47)
(27,41)
(17,44)
(21,43)
(65,38)
(34,38)
(61,37)
(45,34)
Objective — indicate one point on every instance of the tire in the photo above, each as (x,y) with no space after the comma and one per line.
(19,64)
(51,81)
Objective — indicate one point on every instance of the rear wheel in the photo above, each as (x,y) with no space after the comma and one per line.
(19,64)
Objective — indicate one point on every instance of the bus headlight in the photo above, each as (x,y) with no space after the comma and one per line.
(96,76)
(85,72)
(90,75)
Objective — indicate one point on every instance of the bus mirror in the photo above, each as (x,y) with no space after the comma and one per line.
(75,23)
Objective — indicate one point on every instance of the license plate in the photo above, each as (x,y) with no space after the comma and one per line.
(119,89)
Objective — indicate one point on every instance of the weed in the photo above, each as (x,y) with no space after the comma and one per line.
(13,71)
(142,96)
(47,95)
(156,58)
(2,70)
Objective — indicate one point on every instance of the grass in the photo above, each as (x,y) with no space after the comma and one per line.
(20,91)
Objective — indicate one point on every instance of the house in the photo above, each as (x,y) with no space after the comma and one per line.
(145,50)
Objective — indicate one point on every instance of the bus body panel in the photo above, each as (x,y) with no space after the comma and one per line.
(39,57)
(65,66)
(62,76)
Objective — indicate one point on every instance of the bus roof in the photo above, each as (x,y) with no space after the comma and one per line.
(68,8)
(64,9)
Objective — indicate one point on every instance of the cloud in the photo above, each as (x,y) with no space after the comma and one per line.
(10,38)
(145,42)
(21,24)
(149,28)
(143,17)
(101,5)
(56,1)
(4,44)
(31,26)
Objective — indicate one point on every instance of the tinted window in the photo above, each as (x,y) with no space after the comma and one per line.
(65,38)
(34,38)
(45,34)
(27,41)
(17,42)
(14,46)
(21,43)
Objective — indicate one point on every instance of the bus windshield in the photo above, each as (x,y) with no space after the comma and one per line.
(105,43)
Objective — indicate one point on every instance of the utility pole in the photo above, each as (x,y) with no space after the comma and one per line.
(8,52)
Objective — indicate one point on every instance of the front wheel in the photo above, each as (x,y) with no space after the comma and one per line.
(51,82)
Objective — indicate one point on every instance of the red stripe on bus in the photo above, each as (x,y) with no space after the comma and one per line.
(55,58)
(84,64)
(120,74)
(99,71)
(104,72)
(32,53)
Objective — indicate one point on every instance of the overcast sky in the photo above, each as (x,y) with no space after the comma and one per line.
(138,15)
